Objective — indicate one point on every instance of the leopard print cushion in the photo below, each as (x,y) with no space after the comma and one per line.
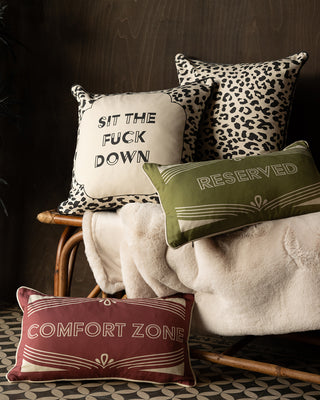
(249,111)
(175,121)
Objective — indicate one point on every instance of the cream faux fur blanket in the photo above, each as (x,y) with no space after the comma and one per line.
(264,279)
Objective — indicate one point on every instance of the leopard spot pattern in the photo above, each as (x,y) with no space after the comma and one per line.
(249,110)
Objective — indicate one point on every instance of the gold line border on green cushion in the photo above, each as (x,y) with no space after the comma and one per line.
(213,197)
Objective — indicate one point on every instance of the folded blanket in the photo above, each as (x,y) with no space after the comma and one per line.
(264,279)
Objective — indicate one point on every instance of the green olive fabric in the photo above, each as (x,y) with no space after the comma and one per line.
(209,198)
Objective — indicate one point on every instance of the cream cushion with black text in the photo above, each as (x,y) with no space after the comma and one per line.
(249,110)
(118,133)
(213,197)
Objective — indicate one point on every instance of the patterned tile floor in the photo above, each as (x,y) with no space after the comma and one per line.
(214,381)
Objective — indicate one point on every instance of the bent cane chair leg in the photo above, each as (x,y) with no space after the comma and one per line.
(71,263)
(64,259)
(66,234)
(95,292)
(256,366)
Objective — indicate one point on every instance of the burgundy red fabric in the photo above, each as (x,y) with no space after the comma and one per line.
(65,338)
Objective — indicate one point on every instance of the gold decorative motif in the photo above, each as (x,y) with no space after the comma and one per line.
(108,301)
(104,360)
(258,202)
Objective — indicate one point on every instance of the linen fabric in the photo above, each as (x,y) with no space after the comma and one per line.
(213,197)
(118,133)
(65,338)
(250,108)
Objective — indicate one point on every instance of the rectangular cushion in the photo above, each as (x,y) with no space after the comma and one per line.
(65,338)
(213,197)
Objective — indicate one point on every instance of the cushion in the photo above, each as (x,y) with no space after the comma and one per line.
(250,107)
(117,133)
(212,197)
(65,338)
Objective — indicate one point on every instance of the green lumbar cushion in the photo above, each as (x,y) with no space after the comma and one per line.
(208,198)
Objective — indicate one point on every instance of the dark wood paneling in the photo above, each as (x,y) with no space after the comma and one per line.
(115,46)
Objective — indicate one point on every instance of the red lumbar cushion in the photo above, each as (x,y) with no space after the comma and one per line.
(65,338)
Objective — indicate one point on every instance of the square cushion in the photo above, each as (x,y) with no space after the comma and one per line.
(117,133)
(250,107)
(213,197)
(65,338)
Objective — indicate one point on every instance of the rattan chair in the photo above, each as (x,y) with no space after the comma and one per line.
(65,259)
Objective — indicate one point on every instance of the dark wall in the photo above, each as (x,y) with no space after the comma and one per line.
(115,46)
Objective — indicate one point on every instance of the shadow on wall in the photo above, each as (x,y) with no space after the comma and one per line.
(304,115)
